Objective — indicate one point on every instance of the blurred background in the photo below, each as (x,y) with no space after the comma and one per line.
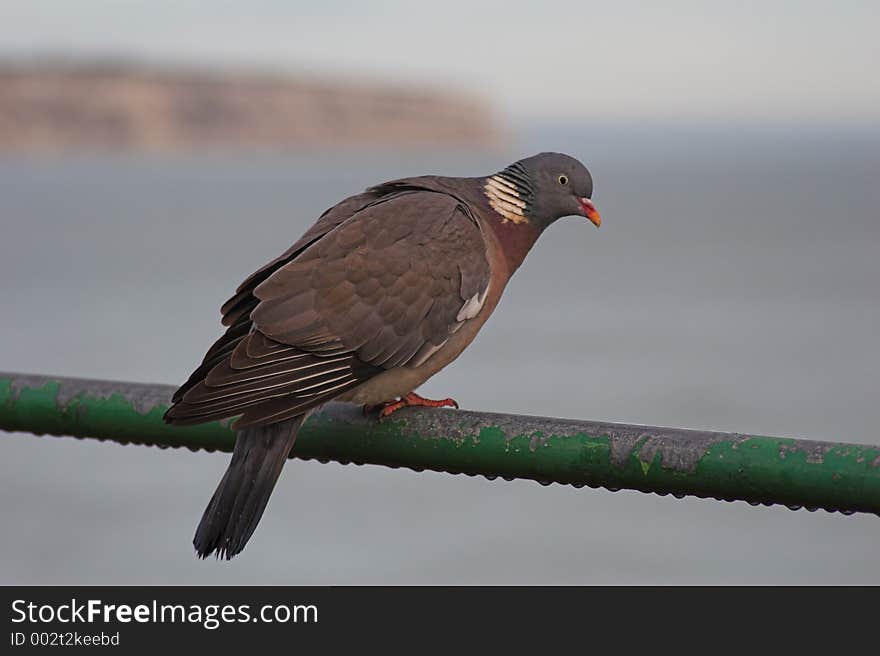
(152,154)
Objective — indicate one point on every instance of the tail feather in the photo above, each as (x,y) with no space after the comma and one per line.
(241,497)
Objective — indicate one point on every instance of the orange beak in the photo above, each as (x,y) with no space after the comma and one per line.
(590,211)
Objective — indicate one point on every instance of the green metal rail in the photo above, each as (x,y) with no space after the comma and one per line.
(725,466)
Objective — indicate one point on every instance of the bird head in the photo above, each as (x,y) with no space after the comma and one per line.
(541,189)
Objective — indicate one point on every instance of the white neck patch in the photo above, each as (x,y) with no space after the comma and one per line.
(505,199)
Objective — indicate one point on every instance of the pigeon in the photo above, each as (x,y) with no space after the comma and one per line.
(384,290)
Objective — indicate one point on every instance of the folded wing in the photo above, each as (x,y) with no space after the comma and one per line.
(383,283)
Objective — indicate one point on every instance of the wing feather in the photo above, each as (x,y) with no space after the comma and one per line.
(380,281)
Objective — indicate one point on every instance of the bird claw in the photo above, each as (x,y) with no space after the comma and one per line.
(410,400)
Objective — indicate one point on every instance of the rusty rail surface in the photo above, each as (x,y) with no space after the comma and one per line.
(725,466)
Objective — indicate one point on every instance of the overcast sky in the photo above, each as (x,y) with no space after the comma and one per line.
(776,60)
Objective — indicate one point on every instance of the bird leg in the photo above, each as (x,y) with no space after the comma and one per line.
(411,399)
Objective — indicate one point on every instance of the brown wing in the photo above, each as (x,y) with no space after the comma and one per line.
(384,288)
(236,311)
(244,301)
(386,285)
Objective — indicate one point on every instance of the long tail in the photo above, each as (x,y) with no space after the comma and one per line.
(242,495)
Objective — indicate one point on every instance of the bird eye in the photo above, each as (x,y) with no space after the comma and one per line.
(563,180)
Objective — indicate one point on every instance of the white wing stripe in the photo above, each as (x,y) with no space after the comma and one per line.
(472,307)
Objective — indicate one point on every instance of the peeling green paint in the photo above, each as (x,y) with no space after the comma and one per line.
(757,469)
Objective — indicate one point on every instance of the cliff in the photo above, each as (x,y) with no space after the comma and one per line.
(122,107)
